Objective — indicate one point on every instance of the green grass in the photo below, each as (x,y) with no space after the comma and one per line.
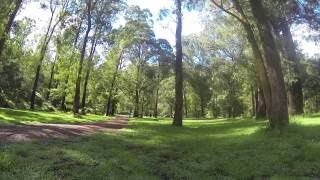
(150,149)
(11,116)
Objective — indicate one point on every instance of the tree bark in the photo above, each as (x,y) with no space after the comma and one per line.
(76,101)
(295,93)
(260,104)
(178,109)
(8,26)
(185,103)
(279,118)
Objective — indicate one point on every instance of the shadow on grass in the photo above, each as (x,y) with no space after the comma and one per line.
(12,116)
(238,149)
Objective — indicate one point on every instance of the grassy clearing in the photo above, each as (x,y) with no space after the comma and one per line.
(11,116)
(149,149)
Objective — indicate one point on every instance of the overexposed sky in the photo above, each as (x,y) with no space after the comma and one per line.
(163,29)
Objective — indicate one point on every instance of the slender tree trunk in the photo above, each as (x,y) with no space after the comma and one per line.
(63,99)
(156,103)
(86,81)
(51,79)
(114,78)
(279,118)
(178,110)
(136,107)
(42,54)
(253,101)
(260,104)
(76,101)
(8,26)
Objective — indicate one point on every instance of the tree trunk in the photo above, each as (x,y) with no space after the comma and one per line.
(178,109)
(63,99)
(136,107)
(86,81)
(295,87)
(262,74)
(253,101)
(42,54)
(185,103)
(279,118)
(114,78)
(156,103)
(51,80)
(8,26)
(260,104)
(76,101)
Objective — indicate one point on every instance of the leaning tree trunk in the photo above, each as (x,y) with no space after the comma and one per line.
(86,81)
(76,100)
(43,50)
(295,87)
(8,26)
(178,109)
(262,75)
(279,118)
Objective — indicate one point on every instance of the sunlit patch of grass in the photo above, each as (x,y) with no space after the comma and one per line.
(153,149)
(12,116)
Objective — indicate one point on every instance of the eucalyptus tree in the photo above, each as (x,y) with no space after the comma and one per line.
(105,15)
(267,64)
(279,118)
(140,51)
(198,69)
(55,19)
(163,56)
(90,5)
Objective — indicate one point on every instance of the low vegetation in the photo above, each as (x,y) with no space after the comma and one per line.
(11,116)
(151,149)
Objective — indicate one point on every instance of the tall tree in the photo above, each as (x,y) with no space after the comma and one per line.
(45,43)
(178,109)
(76,101)
(279,118)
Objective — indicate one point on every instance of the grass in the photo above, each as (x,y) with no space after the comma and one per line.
(11,116)
(150,149)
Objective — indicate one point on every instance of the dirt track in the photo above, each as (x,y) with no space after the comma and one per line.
(19,133)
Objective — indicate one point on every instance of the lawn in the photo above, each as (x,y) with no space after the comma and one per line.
(11,116)
(150,149)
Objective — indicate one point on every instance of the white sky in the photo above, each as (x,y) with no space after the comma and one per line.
(163,29)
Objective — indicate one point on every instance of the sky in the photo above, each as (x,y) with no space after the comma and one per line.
(166,28)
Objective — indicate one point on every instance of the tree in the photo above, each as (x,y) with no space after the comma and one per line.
(76,102)
(279,118)
(178,109)
(44,45)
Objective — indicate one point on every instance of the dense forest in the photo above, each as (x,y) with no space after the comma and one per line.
(244,63)
(159,89)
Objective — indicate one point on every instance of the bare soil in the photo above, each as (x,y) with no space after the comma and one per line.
(34,132)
